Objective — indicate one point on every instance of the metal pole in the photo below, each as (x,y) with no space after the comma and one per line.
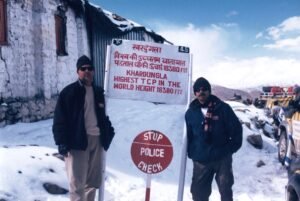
(184,146)
(101,189)
(148,187)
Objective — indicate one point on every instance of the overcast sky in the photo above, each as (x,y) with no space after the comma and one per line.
(235,43)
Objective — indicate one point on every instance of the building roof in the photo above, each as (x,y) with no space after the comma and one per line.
(110,22)
(118,24)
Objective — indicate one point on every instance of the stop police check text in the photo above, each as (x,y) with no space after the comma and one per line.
(146,151)
(152,136)
(151,152)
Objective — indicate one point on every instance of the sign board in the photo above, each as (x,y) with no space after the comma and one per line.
(148,71)
(151,152)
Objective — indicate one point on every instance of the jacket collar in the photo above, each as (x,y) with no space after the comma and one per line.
(81,83)
(196,104)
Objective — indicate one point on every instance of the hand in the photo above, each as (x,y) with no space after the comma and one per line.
(111,129)
(63,150)
(108,134)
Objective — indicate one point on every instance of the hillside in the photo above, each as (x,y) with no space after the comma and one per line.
(227,93)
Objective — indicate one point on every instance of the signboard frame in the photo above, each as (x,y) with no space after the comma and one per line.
(148,71)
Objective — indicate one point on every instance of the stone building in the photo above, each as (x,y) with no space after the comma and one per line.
(40,41)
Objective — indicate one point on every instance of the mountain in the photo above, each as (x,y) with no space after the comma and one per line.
(233,94)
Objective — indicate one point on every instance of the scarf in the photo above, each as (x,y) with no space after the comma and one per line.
(207,123)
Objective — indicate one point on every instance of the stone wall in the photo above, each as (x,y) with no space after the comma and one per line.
(14,110)
(31,73)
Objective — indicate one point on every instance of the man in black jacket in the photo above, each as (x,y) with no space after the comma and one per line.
(214,134)
(82,130)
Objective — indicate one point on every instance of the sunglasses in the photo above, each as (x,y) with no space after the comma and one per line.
(89,68)
(202,89)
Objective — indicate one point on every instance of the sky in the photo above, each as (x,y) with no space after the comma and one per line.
(27,161)
(234,43)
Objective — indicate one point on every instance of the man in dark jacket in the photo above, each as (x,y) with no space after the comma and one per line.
(82,130)
(214,133)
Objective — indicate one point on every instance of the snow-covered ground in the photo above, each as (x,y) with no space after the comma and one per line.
(24,166)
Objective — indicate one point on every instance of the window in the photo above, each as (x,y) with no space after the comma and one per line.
(3,25)
(61,33)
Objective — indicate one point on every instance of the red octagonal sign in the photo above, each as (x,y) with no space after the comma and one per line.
(151,151)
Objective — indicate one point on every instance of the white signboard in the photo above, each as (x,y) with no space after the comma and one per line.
(148,71)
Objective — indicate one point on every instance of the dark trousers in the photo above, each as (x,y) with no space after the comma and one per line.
(203,175)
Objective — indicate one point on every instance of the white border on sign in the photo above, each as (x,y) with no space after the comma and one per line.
(148,71)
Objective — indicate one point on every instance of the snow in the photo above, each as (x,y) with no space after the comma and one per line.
(26,160)
(122,24)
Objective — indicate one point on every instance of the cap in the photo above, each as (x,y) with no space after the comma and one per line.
(83,60)
(201,83)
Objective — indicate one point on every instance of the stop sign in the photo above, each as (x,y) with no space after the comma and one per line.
(151,151)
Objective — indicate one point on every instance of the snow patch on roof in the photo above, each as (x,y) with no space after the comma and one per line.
(122,23)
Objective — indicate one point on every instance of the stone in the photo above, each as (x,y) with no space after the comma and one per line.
(54,189)
(260,163)
(248,125)
(255,140)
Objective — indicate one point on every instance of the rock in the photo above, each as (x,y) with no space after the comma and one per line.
(259,124)
(255,140)
(248,125)
(260,163)
(54,189)
(51,170)
(242,110)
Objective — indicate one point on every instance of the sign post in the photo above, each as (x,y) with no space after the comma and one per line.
(103,152)
(153,72)
(148,187)
(151,152)
(184,147)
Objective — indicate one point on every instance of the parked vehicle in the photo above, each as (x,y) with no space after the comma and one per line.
(293,186)
(289,138)
(274,98)
(276,91)
(284,128)
(287,121)
(282,101)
